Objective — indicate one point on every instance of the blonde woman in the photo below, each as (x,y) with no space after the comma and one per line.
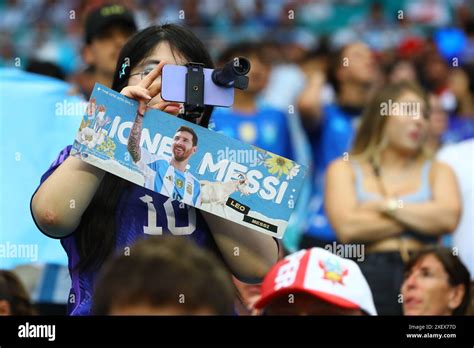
(388,194)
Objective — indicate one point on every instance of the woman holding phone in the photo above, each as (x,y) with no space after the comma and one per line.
(110,213)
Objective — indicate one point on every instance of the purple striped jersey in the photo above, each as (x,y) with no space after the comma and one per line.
(140,212)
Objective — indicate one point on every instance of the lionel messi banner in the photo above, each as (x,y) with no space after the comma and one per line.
(189,163)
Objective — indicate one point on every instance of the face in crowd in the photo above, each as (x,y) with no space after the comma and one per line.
(427,289)
(162,52)
(407,132)
(104,49)
(358,64)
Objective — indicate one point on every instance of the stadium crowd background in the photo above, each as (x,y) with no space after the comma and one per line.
(49,31)
(294,44)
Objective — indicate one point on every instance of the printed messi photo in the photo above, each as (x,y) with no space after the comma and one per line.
(189,164)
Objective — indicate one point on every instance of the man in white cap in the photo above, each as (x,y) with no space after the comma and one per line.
(316,282)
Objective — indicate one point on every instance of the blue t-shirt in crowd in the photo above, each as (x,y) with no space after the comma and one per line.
(267,128)
(329,140)
(459,129)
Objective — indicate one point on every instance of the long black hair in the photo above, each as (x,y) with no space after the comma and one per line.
(96,235)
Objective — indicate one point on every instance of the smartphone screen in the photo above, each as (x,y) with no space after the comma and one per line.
(173,87)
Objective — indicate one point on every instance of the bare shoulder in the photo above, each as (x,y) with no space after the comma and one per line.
(338,167)
(440,169)
(440,166)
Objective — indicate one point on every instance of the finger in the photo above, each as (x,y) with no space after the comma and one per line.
(148,80)
(160,105)
(155,87)
(136,92)
(142,108)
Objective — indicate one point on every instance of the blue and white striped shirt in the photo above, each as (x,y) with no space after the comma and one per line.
(163,178)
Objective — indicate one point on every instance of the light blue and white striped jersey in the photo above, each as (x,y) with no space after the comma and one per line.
(163,178)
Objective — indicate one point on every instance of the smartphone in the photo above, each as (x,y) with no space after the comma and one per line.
(173,87)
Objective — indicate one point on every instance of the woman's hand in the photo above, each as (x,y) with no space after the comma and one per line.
(352,220)
(147,90)
(387,206)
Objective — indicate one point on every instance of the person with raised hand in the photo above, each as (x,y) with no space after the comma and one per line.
(109,213)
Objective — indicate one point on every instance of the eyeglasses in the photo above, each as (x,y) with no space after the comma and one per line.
(145,72)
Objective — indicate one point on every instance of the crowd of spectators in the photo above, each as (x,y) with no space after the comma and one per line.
(321,71)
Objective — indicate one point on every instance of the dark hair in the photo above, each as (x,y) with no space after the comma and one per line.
(45,68)
(190,131)
(160,269)
(370,132)
(335,63)
(96,236)
(13,291)
(181,41)
(453,266)
(243,48)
